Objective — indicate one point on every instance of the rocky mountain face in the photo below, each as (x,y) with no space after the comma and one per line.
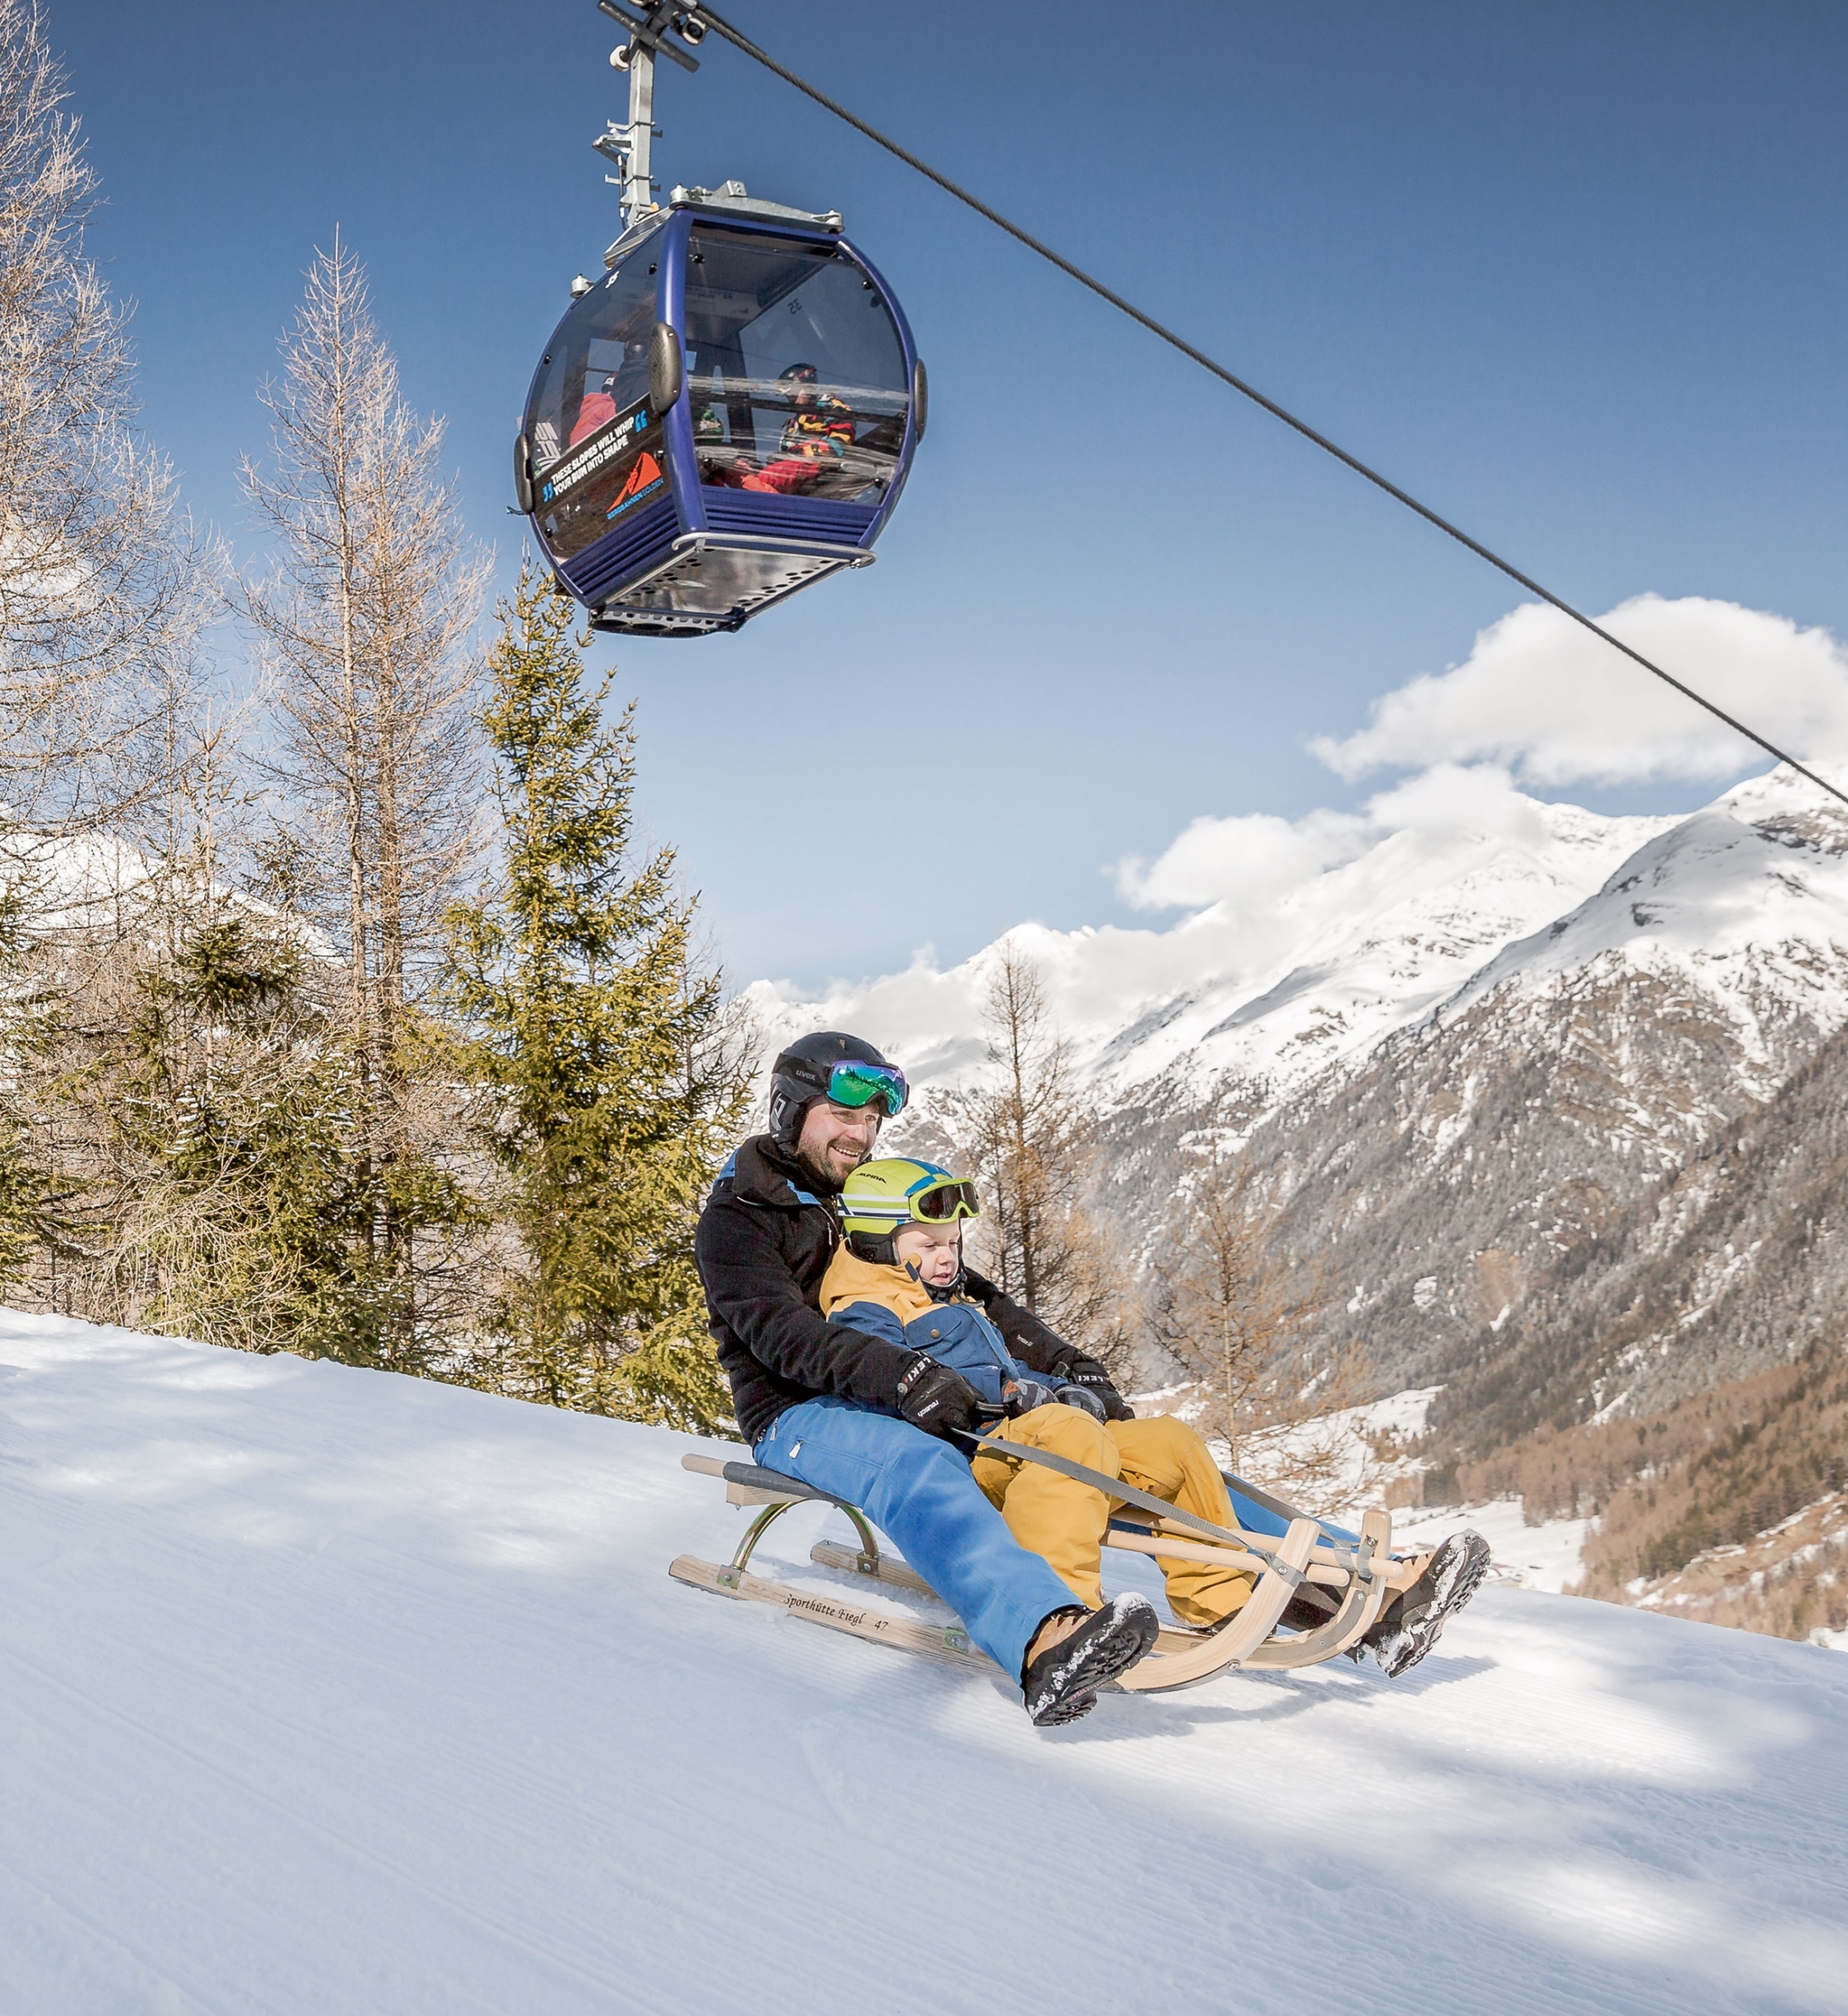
(1518,1192)
(1735,1260)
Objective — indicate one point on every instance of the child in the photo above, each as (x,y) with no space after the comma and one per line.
(899,1276)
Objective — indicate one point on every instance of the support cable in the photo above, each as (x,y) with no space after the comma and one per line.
(743,42)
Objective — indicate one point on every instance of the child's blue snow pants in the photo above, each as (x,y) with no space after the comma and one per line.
(920,1490)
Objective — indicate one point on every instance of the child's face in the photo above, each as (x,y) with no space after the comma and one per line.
(935,1251)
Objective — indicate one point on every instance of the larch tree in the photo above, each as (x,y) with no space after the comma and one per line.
(1027,1135)
(609,1087)
(1222,1300)
(103,594)
(100,585)
(366,620)
(1215,1299)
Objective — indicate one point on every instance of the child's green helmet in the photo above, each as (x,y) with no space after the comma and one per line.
(881,1198)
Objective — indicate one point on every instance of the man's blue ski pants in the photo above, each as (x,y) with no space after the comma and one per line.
(920,1491)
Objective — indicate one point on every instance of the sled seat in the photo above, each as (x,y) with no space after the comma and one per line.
(1356,1579)
(750,1484)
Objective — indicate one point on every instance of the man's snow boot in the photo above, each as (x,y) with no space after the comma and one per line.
(1413,1620)
(1061,1683)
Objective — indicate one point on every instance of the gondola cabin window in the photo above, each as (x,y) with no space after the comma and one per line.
(588,419)
(795,370)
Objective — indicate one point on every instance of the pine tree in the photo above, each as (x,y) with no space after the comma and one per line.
(598,1041)
(223,1111)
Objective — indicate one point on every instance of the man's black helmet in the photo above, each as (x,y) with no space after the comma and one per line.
(805,1073)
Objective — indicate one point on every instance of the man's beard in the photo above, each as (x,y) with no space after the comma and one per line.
(822,1174)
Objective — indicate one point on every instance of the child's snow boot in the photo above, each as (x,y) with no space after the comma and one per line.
(1411,1623)
(1061,1683)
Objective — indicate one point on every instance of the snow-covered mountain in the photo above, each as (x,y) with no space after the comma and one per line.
(1441,1179)
(1745,902)
(1380,942)
(325,1690)
(1467,1049)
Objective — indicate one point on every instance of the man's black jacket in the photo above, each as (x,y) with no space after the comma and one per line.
(765,1238)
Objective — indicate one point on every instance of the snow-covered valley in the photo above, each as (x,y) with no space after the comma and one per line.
(325,1690)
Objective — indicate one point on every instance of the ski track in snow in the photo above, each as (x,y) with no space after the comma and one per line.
(329,1692)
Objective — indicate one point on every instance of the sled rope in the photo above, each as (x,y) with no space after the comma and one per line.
(1171,1515)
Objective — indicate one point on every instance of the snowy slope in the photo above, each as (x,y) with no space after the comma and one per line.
(324,1691)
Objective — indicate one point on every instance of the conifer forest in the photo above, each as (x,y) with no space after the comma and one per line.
(344,1012)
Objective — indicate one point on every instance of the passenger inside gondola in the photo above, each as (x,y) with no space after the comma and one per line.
(614,390)
(596,368)
(815,442)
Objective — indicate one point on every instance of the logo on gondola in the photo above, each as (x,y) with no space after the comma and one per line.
(645,478)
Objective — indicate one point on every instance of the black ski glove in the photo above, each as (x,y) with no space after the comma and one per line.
(1086,1372)
(937,1398)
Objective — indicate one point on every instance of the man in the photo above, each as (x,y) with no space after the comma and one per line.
(873,1421)
(815,442)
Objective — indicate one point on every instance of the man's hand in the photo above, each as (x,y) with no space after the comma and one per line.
(1081,1398)
(939,1399)
(1090,1377)
(1021,1396)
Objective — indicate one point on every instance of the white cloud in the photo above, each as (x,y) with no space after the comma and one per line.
(1254,855)
(1476,800)
(1254,863)
(1545,697)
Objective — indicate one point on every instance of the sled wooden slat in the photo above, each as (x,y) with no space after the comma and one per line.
(831,1554)
(751,1494)
(1185,1551)
(1133,1541)
(947,1641)
(746,1483)
(1360,1610)
(1160,1672)
(1162,1546)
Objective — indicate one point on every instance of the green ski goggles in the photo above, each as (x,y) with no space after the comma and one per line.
(859,1085)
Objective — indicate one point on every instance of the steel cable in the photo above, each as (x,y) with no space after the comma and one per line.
(744,43)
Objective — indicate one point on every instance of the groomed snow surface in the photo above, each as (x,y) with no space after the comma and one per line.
(323,1693)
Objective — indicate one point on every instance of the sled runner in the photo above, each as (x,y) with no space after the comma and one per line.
(1354,1579)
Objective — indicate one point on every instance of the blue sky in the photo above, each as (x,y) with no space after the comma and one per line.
(1572,273)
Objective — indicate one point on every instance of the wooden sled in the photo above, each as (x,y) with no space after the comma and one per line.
(1358,1580)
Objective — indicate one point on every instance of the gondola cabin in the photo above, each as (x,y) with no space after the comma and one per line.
(726,417)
